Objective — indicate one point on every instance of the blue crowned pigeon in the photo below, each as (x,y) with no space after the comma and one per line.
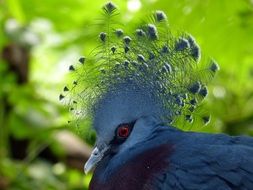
(137,89)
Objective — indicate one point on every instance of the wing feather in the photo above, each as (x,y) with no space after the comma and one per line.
(224,165)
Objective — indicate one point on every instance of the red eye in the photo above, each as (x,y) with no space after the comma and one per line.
(123,131)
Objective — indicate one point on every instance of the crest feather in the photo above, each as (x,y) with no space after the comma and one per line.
(159,67)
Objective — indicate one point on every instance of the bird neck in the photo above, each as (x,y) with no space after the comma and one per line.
(137,164)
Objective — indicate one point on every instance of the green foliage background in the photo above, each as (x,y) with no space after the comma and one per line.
(54,34)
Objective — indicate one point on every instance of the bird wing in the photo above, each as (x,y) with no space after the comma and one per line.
(208,167)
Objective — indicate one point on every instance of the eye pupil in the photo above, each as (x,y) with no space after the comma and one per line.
(123,131)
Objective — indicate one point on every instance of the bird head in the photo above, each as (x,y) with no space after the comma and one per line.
(122,119)
(133,82)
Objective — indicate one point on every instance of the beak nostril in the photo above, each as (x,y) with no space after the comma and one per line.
(95,153)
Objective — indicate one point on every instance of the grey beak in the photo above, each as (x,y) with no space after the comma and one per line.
(95,157)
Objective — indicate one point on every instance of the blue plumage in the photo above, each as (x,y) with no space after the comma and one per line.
(134,89)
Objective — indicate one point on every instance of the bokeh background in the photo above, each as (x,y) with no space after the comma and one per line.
(40,39)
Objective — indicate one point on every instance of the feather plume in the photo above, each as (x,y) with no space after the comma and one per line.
(148,71)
